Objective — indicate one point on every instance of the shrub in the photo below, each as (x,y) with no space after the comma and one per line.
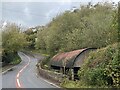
(102,68)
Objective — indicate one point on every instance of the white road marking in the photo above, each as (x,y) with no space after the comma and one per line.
(18,75)
(51,83)
(20,70)
(18,82)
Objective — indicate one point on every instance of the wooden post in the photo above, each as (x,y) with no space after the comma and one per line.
(61,70)
(64,69)
(72,74)
(64,65)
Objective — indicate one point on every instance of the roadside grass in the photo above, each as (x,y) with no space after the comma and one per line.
(12,59)
(41,52)
(46,55)
(15,61)
(6,67)
(45,61)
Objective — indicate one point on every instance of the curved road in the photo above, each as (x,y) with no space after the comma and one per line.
(24,75)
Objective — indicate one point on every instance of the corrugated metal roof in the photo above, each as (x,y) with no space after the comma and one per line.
(67,55)
(68,59)
(65,58)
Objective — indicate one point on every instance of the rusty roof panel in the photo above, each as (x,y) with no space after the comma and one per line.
(65,58)
(67,55)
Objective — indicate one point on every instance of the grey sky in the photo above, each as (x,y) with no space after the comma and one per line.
(33,13)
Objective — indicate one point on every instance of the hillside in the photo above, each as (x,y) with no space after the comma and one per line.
(101,69)
(89,26)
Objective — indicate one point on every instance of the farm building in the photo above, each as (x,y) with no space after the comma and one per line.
(70,61)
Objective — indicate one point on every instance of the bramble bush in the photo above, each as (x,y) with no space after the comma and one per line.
(102,68)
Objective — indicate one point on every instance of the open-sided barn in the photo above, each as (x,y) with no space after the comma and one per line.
(70,60)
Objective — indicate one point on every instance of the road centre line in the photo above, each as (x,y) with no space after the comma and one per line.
(18,85)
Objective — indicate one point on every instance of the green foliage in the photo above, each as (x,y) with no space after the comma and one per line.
(69,84)
(13,40)
(119,21)
(15,60)
(45,63)
(89,26)
(102,68)
(30,36)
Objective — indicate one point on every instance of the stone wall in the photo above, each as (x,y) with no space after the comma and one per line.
(50,75)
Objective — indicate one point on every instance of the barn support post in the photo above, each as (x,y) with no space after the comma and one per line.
(64,70)
(61,70)
(72,74)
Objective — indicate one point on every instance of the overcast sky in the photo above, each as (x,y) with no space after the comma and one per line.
(33,12)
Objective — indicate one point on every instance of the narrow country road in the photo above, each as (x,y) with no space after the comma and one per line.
(24,75)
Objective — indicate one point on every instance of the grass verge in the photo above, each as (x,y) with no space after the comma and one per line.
(15,61)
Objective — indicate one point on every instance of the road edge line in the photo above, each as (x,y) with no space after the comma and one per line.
(45,79)
(51,83)
(10,68)
(7,70)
